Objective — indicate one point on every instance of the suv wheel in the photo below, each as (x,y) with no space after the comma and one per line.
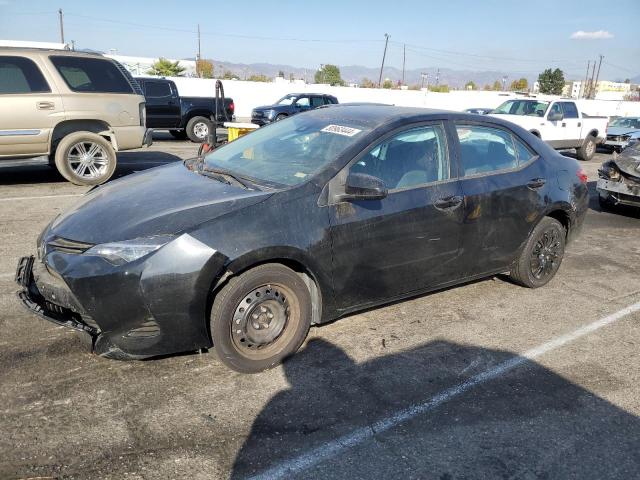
(198,128)
(85,158)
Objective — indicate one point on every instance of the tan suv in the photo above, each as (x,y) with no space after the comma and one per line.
(74,110)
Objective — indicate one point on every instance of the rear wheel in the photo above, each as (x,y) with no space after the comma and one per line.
(588,149)
(260,317)
(198,128)
(542,255)
(85,158)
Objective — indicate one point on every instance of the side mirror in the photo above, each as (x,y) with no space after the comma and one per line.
(360,186)
(555,116)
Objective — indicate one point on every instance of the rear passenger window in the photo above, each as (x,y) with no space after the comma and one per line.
(84,74)
(524,153)
(317,101)
(485,149)
(408,159)
(21,75)
(157,89)
(569,110)
(328,101)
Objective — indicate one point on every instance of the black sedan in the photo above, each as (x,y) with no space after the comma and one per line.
(290,105)
(299,223)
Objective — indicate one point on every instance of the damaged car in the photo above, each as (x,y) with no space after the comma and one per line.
(619,179)
(301,222)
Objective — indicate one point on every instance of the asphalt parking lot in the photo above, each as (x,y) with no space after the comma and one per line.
(487,380)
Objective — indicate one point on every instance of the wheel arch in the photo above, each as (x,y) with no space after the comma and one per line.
(593,133)
(66,127)
(561,215)
(535,132)
(208,114)
(293,258)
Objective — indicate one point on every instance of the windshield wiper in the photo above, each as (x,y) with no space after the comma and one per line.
(226,176)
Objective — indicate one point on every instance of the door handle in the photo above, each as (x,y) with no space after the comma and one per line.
(536,183)
(448,203)
(45,105)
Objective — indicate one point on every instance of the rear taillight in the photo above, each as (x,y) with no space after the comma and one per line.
(232,107)
(582,176)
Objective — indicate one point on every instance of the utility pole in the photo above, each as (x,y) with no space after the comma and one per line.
(199,56)
(386,42)
(504,82)
(595,86)
(424,77)
(584,87)
(61,25)
(437,77)
(593,74)
(404,59)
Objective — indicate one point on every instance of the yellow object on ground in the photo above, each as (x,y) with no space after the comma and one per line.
(238,129)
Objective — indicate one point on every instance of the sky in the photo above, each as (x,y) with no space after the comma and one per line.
(526,37)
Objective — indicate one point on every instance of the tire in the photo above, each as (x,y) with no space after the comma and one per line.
(547,239)
(281,116)
(588,149)
(178,134)
(267,296)
(85,158)
(198,128)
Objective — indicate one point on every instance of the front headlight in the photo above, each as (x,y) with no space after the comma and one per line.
(119,253)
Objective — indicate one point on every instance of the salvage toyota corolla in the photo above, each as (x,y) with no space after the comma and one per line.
(299,223)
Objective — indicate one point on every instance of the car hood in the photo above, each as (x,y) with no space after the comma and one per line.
(621,130)
(166,200)
(629,161)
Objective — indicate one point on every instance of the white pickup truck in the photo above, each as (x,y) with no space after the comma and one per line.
(559,123)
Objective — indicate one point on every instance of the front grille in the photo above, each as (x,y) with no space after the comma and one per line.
(64,245)
(257,114)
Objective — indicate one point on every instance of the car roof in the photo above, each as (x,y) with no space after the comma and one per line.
(47,51)
(308,93)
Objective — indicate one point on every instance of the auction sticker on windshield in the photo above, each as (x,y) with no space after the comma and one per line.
(341,130)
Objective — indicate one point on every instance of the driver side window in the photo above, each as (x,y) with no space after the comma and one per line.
(303,101)
(408,159)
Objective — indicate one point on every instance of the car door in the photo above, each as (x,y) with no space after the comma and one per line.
(504,184)
(551,130)
(571,124)
(30,108)
(407,241)
(162,103)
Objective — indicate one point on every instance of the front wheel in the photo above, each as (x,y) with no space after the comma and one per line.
(588,149)
(542,255)
(281,116)
(260,317)
(85,158)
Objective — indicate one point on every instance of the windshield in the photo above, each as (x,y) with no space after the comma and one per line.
(626,122)
(288,152)
(287,100)
(532,108)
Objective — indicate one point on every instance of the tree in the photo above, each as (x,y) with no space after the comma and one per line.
(470,85)
(229,75)
(387,83)
(519,85)
(204,68)
(166,68)
(366,83)
(329,74)
(497,86)
(259,78)
(291,77)
(439,88)
(551,81)
(627,80)
(487,87)
(281,74)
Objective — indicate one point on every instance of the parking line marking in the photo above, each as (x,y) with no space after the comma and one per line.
(337,446)
(13,199)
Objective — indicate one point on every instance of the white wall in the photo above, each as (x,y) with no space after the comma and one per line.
(248,95)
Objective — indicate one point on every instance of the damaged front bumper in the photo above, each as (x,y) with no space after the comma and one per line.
(623,192)
(33,300)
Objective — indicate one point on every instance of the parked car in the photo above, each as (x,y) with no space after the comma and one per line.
(619,179)
(621,132)
(322,214)
(68,109)
(479,111)
(290,105)
(191,117)
(559,123)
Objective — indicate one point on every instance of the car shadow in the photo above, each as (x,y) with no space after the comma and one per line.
(527,423)
(128,163)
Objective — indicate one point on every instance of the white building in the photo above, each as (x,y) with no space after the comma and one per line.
(141,65)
